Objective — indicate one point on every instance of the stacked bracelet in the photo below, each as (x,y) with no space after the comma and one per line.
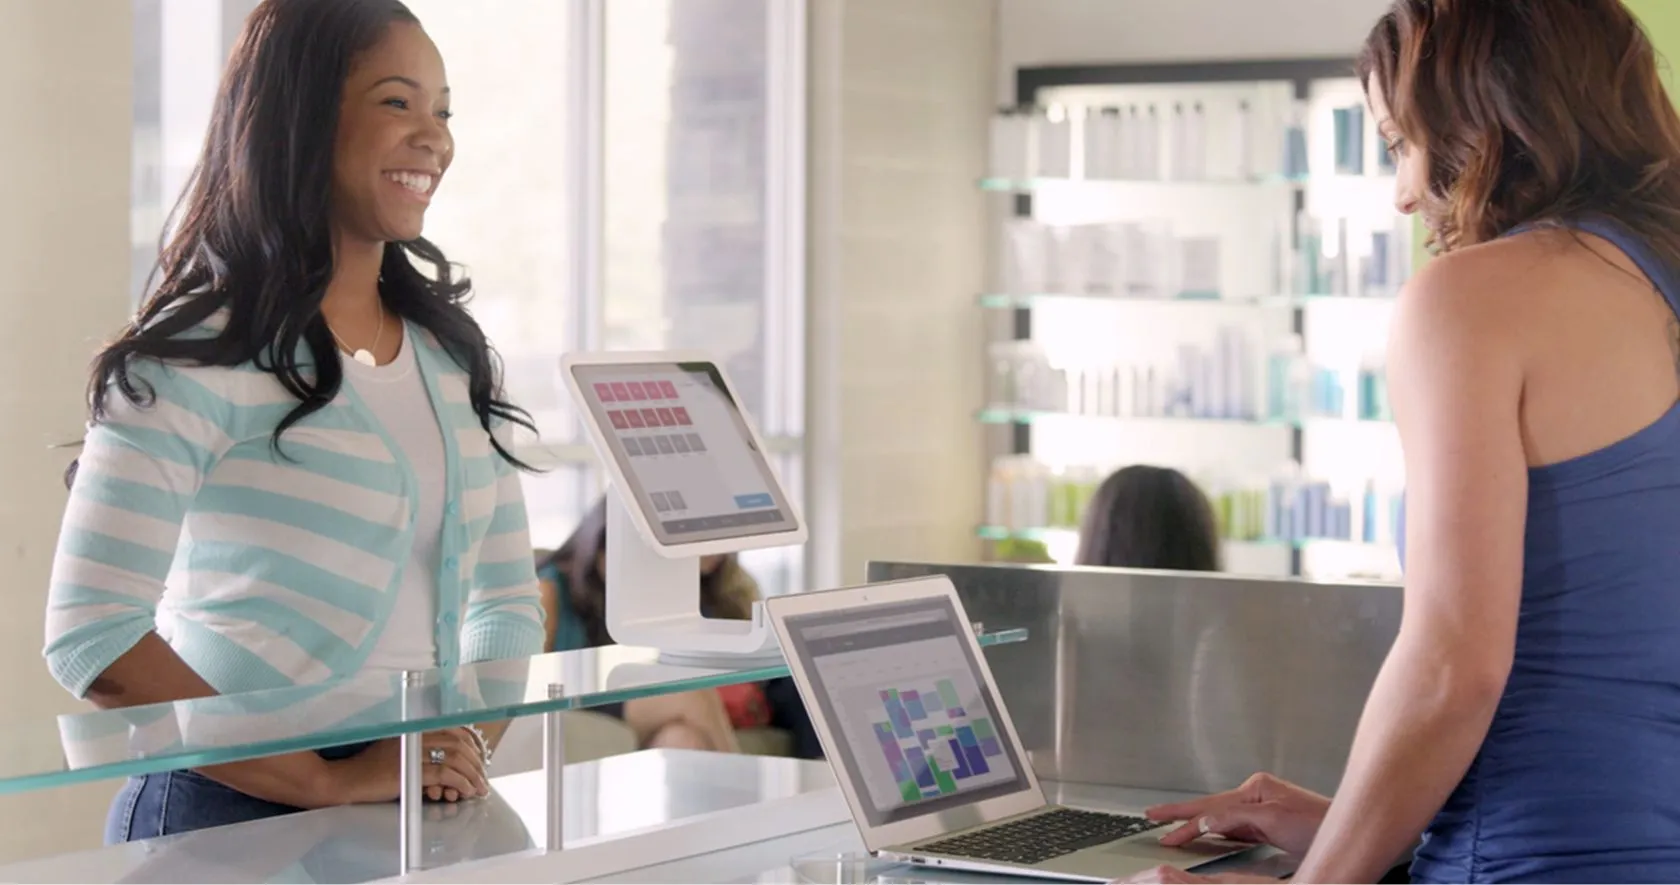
(484,750)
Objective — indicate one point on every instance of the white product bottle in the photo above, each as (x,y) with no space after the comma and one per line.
(1245,141)
(1112,124)
(1090,144)
(1177,166)
(997,493)
(1150,154)
(1029,122)
(1009,148)
(1076,119)
(1055,143)
(1131,133)
(1196,147)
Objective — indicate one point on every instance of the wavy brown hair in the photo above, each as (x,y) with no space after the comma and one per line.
(1531,112)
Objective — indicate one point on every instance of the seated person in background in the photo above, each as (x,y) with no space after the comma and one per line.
(1149,517)
(574,597)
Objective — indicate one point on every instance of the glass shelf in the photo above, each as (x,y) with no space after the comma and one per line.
(1018,301)
(1032,416)
(1050,533)
(1030,185)
(105,744)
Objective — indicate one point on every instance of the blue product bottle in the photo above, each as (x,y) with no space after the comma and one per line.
(1295,143)
(1309,518)
(1369,533)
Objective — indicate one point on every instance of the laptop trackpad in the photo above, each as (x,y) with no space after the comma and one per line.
(1198,852)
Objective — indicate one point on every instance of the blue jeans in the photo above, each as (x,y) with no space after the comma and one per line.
(182,801)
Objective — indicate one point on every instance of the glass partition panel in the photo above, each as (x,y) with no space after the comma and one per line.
(371,706)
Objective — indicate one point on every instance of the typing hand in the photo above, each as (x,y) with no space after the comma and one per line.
(1264,810)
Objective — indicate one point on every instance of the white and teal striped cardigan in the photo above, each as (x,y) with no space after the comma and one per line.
(281,569)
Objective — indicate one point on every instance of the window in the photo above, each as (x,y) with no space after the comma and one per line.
(697,248)
(628,174)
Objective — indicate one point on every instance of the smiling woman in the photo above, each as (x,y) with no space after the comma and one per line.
(344,515)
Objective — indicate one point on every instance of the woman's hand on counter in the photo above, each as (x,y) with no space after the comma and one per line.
(375,774)
(1264,810)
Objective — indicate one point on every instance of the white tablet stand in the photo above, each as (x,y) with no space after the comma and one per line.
(654,602)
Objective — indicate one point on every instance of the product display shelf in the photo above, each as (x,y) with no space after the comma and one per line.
(1023,301)
(1034,185)
(1180,185)
(79,748)
(1004,416)
(1064,533)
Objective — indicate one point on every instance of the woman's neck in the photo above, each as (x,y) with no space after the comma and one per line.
(353,292)
(352,305)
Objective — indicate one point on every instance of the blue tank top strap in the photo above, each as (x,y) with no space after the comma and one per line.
(1660,272)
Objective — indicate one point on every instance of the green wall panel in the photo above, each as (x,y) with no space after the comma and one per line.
(1661,19)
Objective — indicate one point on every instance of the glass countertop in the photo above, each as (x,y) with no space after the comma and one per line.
(83,747)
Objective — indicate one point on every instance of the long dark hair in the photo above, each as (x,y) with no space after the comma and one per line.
(252,235)
(1150,517)
(1538,111)
(578,561)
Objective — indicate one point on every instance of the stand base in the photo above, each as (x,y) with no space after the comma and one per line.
(654,602)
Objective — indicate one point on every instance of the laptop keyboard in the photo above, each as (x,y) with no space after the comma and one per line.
(1039,838)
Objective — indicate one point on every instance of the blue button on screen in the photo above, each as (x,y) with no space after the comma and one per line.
(748,502)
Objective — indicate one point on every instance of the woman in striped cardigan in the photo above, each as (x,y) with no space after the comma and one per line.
(295,469)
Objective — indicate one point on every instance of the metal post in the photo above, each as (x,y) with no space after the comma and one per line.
(554,766)
(411,799)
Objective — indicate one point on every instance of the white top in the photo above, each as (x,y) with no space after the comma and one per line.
(396,394)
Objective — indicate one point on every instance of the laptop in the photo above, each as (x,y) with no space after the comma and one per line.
(927,757)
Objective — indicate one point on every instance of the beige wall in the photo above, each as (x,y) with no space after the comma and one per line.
(900,98)
(1046,32)
(64,247)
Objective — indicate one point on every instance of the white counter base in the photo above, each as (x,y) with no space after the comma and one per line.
(653,806)
(649,817)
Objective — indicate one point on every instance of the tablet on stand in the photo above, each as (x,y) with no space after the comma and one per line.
(689,480)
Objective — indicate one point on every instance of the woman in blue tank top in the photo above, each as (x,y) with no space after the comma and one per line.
(1526,725)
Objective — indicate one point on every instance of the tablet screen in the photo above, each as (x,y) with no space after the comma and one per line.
(683,447)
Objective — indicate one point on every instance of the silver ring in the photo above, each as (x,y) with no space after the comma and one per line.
(1201,825)
(435,755)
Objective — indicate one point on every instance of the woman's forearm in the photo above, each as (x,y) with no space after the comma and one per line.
(1423,724)
(152,673)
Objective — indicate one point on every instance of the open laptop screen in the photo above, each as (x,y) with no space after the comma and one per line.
(912,722)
